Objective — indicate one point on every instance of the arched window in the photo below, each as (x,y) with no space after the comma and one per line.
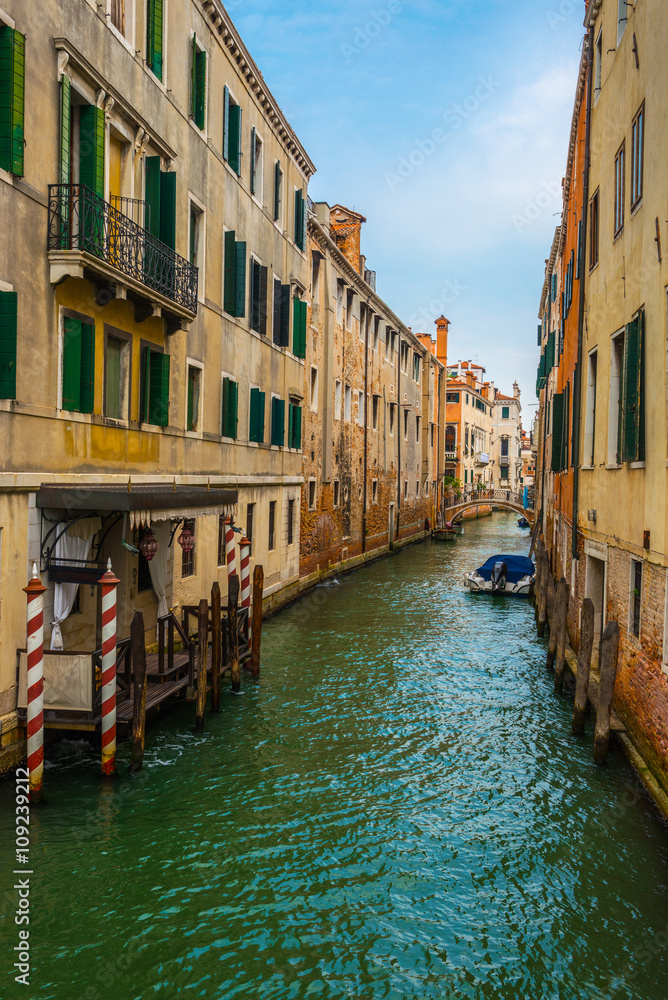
(450,438)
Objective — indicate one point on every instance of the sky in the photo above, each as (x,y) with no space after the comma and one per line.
(446,124)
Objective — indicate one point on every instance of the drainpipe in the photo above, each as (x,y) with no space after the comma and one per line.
(577,381)
(366,424)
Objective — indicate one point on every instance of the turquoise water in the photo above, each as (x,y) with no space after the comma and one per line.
(396,811)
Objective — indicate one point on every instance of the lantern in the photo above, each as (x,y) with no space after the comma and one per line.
(148,545)
(186,539)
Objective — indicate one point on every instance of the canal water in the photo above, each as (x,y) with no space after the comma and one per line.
(396,811)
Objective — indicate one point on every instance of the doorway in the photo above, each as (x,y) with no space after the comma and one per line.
(595,590)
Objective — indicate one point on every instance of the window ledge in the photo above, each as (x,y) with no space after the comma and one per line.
(588,468)
(637,465)
(611,465)
(636,208)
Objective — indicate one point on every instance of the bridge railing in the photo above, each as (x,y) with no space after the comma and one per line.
(473,495)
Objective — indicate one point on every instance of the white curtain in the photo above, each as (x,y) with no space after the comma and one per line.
(158,566)
(65,594)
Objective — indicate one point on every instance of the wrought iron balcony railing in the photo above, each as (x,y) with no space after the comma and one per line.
(80,220)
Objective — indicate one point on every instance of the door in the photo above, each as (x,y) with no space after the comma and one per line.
(595,590)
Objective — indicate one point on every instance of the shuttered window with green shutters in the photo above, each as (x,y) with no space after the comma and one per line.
(278,185)
(633,395)
(253,163)
(8,339)
(234,288)
(78,365)
(167,227)
(294,426)
(300,219)
(256,429)
(278,421)
(65,128)
(258,297)
(557,430)
(198,85)
(154,23)
(229,409)
(12,99)
(155,387)
(231,131)
(91,149)
(299,328)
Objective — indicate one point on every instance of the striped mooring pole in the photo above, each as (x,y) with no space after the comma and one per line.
(245,588)
(35,684)
(230,553)
(109,583)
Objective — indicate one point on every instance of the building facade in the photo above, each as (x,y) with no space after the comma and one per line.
(507,441)
(468,432)
(152,347)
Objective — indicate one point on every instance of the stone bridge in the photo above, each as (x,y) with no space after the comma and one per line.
(506,499)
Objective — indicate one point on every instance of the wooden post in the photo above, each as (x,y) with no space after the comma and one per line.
(139,709)
(606,686)
(233,638)
(563,594)
(553,616)
(544,571)
(584,664)
(216,647)
(202,649)
(256,633)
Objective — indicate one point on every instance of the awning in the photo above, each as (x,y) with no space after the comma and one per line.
(141,497)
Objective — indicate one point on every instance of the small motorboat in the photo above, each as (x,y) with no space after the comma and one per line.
(503,574)
(523,523)
(446,533)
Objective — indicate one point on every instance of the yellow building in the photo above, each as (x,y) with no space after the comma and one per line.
(151,347)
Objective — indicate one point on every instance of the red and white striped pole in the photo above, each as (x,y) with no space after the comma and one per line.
(230,553)
(35,685)
(109,584)
(244,581)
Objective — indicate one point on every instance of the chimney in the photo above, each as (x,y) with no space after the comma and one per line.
(345,227)
(516,390)
(442,325)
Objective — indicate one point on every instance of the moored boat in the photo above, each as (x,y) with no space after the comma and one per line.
(523,523)
(503,574)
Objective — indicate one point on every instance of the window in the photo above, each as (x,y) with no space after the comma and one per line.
(257,166)
(256,422)
(599,64)
(416,367)
(196,240)
(615,399)
(234,290)
(350,298)
(337,399)
(505,413)
(417,429)
(277,421)
(78,361)
(314,389)
(193,417)
(258,297)
(431,434)
(160,199)
(117,378)
(406,425)
(12,99)
(311,494)
(229,408)
(154,387)
(281,332)
(504,471)
(295,426)
(636,596)
(633,395)
(417,488)
(347,403)
(291,522)
(315,289)
(505,447)
(278,192)
(339,300)
(250,516)
(299,311)
(272,525)
(375,403)
(619,189)
(637,156)
(363,321)
(392,414)
(154,25)
(188,558)
(360,408)
(593,231)
(590,413)
(374,491)
(221,539)
(117,14)
(300,220)
(406,490)
(403,353)
(622,17)
(453,397)
(231,132)
(451,439)
(8,341)
(376,333)
(198,85)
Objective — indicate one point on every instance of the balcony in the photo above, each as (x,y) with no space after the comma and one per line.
(504,460)
(89,238)
(482,458)
(451,455)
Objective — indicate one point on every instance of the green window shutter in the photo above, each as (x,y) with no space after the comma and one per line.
(641,386)
(298,218)
(8,340)
(167,231)
(72,364)
(278,422)
(277,190)
(154,22)
(145,376)
(578,265)
(91,149)
(234,139)
(255,296)
(240,279)
(152,190)
(162,369)
(233,413)
(298,328)
(291,421)
(264,278)
(193,76)
(155,387)
(224,406)
(261,418)
(87,390)
(200,87)
(65,121)
(631,393)
(12,99)
(557,428)
(226,123)
(256,432)
(230,266)
(302,245)
(303,309)
(284,336)
(297,427)
(252,161)
(563,456)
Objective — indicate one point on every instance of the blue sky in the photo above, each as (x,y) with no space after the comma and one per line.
(445,123)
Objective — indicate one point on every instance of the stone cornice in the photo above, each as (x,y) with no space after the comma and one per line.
(592,12)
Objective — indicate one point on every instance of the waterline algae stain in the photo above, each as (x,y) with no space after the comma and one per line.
(397,811)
